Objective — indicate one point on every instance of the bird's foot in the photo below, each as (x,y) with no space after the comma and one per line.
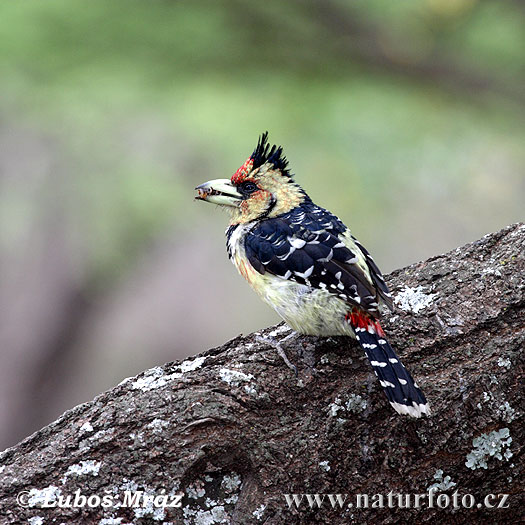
(269,340)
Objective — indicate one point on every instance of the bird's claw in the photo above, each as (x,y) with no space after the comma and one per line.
(277,345)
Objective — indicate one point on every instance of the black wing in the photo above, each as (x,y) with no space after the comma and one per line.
(304,245)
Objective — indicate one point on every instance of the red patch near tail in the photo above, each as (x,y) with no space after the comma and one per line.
(358,318)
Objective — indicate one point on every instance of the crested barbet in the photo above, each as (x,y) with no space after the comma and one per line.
(304,262)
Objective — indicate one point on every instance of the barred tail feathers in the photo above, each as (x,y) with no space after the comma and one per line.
(400,389)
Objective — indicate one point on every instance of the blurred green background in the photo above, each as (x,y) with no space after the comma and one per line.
(404,118)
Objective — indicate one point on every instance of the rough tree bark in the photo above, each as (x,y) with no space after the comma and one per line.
(234,430)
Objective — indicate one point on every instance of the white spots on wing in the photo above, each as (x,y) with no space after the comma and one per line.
(377,363)
(413,299)
(338,276)
(369,345)
(296,243)
(287,275)
(381,342)
(322,285)
(286,255)
(393,360)
(341,286)
(352,260)
(299,218)
(402,381)
(306,274)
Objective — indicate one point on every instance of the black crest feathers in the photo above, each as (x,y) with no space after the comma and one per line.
(264,153)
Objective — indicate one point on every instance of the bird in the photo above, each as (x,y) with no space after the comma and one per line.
(305,263)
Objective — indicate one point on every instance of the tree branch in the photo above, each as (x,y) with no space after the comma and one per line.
(234,430)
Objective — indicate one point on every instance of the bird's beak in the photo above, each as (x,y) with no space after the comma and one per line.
(219,191)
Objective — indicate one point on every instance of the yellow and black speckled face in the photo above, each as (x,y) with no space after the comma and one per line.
(266,192)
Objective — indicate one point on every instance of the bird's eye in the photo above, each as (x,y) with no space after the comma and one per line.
(248,187)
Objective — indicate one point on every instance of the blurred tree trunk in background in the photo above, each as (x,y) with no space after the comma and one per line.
(234,430)
(42,287)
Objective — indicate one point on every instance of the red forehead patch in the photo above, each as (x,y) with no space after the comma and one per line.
(241,174)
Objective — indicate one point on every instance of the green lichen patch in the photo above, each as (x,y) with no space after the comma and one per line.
(489,445)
